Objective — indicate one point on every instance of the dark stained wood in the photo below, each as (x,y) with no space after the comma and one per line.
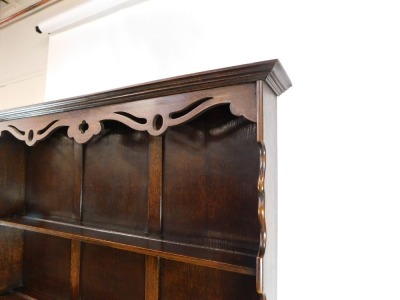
(154,115)
(25,293)
(11,250)
(155,213)
(75,269)
(211,168)
(233,261)
(163,190)
(51,178)
(12,297)
(12,176)
(111,274)
(116,179)
(180,281)
(78,181)
(155,185)
(47,261)
(152,277)
(193,82)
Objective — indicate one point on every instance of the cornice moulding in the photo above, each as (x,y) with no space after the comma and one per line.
(270,71)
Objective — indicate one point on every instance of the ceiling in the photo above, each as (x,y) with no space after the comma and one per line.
(13,10)
(10,7)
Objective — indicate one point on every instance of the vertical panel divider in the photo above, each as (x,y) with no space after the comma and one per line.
(75,269)
(78,181)
(154,213)
(76,245)
(155,185)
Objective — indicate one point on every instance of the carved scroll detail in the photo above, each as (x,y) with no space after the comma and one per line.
(84,131)
(29,135)
(261,218)
(151,115)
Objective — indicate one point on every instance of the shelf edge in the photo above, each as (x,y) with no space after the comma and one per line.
(137,249)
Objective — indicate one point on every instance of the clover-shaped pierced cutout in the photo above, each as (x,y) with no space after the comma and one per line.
(83,127)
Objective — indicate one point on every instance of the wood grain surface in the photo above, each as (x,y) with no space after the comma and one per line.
(164,190)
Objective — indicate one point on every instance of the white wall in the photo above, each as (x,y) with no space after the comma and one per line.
(339,149)
(23,58)
(338,132)
(155,39)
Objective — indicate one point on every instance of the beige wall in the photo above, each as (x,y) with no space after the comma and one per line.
(23,58)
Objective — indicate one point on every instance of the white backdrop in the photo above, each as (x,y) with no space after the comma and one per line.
(338,127)
(155,39)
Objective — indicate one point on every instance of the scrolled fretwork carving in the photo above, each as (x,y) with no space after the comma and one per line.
(84,131)
(30,134)
(151,115)
(261,217)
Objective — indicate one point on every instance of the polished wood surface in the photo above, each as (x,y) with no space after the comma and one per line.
(47,261)
(116,179)
(152,278)
(12,297)
(12,178)
(186,281)
(231,76)
(47,165)
(154,115)
(221,152)
(165,190)
(155,188)
(11,258)
(111,274)
(234,261)
(75,269)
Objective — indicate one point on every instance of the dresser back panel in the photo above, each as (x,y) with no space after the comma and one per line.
(52,178)
(111,273)
(12,175)
(211,168)
(180,281)
(159,191)
(115,178)
(47,264)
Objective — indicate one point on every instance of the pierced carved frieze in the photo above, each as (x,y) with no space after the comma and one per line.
(151,115)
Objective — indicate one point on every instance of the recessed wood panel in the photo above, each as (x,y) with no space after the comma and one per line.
(180,281)
(109,273)
(47,261)
(12,175)
(51,178)
(11,241)
(158,194)
(211,168)
(116,178)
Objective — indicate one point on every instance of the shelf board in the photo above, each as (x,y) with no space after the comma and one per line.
(233,261)
(12,297)
(24,293)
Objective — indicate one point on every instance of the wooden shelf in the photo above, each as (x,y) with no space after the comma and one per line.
(233,261)
(13,296)
(24,293)
(163,190)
